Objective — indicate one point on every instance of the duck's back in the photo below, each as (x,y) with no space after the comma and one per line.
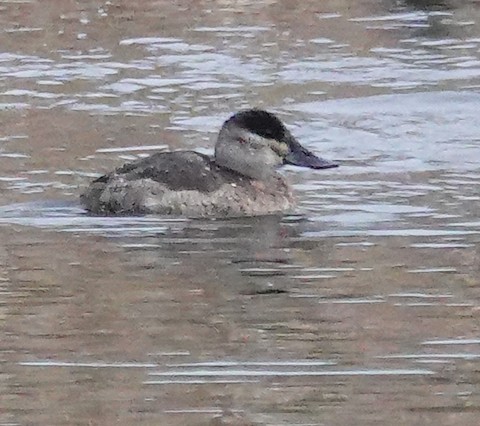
(184,183)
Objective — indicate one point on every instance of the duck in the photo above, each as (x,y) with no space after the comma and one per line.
(241,179)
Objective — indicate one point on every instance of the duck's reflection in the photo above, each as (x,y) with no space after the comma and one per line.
(247,255)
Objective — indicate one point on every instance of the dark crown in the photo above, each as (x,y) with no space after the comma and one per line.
(261,122)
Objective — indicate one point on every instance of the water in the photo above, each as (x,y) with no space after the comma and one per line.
(361,308)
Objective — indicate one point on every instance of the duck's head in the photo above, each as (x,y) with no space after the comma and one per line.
(254,142)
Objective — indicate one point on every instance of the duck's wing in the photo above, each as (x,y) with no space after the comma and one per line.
(182,170)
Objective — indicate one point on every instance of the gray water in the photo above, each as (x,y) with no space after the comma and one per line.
(361,308)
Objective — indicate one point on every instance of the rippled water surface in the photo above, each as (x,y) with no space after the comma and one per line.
(362,308)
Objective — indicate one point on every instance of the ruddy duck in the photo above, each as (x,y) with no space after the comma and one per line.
(240,180)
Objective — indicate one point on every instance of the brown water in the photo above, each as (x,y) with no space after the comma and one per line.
(362,309)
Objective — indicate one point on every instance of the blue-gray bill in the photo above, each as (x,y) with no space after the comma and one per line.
(302,157)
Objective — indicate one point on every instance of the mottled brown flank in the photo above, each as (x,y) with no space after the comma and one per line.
(184,183)
(178,171)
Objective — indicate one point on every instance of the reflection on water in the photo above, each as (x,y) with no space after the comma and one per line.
(362,304)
